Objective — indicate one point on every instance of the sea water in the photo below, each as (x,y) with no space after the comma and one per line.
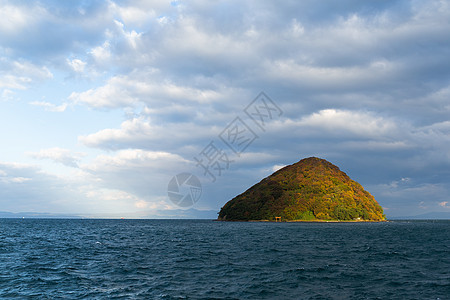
(203,259)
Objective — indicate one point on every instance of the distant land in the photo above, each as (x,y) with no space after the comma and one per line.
(191,213)
(160,214)
(426,216)
(312,189)
(36,215)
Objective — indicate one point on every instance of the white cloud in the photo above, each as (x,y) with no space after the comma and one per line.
(144,86)
(136,205)
(140,13)
(444,204)
(131,131)
(59,155)
(20,179)
(77,65)
(133,173)
(189,37)
(133,158)
(139,132)
(114,94)
(442,128)
(13,19)
(102,54)
(132,38)
(402,182)
(360,123)
(19,75)
(26,188)
(50,106)
(277,167)
(408,192)
(92,192)
(405,195)
(13,180)
(297,29)
(7,95)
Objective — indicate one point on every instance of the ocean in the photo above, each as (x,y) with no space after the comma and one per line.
(203,259)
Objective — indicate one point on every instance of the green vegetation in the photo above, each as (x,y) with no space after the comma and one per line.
(312,189)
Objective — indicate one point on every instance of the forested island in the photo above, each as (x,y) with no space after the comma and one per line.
(312,189)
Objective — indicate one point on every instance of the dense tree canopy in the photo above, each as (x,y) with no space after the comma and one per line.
(311,189)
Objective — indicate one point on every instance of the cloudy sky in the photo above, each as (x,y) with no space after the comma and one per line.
(103,102)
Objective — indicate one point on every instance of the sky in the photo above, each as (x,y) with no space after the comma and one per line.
(104,103)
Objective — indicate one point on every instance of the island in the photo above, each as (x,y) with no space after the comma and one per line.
(312,189)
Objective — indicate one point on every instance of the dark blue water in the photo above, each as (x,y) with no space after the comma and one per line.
(197,259)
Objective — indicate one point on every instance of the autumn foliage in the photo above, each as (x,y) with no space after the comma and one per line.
(311,189)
